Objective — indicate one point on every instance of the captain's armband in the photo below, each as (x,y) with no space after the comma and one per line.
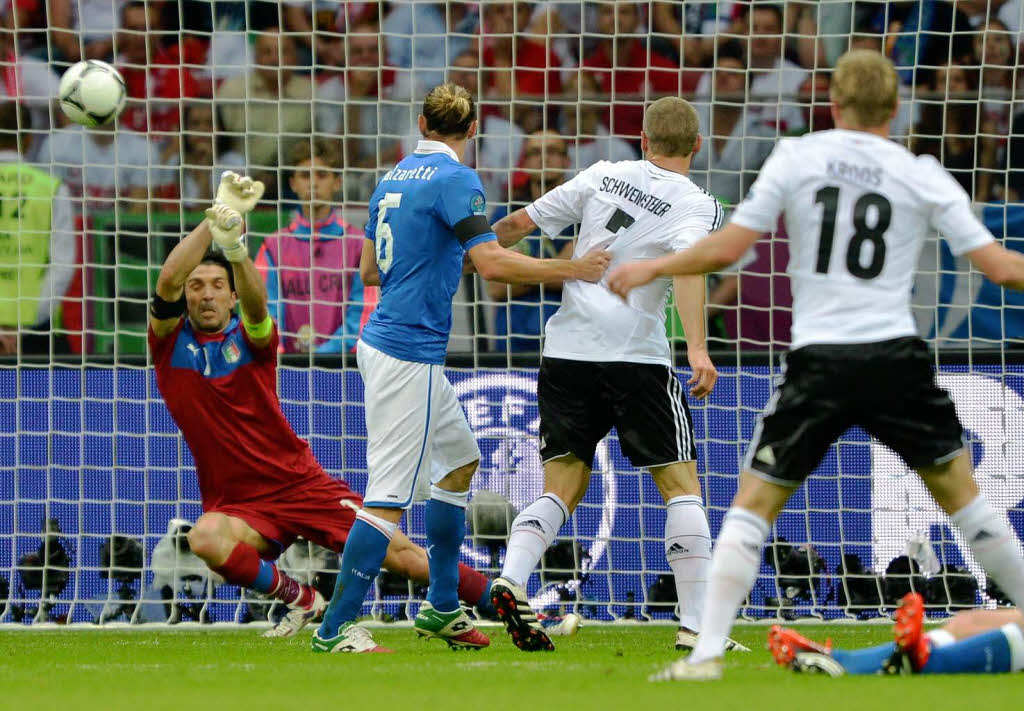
(258,331)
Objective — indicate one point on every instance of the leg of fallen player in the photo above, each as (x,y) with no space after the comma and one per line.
(235,551)
(533,531)
(734,566)
(973,642)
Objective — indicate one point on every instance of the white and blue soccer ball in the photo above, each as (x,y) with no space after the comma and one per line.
(92,93)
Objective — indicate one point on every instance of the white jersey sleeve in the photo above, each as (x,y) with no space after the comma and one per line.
(951,212)
(766,198)
(703,218)
(563,206)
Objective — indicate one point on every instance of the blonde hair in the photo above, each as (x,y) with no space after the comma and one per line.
(449,110)
(865,88)
(671,125)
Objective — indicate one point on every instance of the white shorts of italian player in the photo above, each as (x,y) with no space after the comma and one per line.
(416,429)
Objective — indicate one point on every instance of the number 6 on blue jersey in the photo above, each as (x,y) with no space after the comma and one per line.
(385,240)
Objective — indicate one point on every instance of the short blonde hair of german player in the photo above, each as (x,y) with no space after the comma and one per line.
(449,110)
(671,125)
(865,88)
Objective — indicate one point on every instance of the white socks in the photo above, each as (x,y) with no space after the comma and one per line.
(994,546)
(688,551)
(734,567)
(533,531)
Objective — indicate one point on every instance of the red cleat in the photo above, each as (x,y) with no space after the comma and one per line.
(908,630)
(786,643)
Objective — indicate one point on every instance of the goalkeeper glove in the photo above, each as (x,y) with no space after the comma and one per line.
(239,192)
(226,228)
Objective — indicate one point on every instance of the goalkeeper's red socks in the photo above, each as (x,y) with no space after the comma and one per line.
(245,568)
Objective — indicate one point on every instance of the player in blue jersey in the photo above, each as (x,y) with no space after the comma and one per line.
(425,215)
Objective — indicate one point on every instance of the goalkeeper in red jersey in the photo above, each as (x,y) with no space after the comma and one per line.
(260,484)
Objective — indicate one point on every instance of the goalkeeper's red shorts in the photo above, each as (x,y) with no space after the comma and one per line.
(322,511)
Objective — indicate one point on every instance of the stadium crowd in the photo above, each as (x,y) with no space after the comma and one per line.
(303,93)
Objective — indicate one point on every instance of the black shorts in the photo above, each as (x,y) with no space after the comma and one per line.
(888,388)
(581,401)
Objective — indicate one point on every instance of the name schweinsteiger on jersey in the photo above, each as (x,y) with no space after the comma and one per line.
(857,208)
(635,210)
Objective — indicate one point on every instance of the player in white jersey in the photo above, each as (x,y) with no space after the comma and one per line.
(608,364)
(857,209)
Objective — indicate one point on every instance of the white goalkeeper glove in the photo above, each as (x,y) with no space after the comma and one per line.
(239,192)
(226,228)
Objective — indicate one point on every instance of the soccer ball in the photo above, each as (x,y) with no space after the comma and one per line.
(92,93)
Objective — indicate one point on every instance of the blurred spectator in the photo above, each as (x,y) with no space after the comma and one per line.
(100,166)
(153,73)
(632,72)
(948,129)
(37,243)
(204,156)
(267,108)
(422,36)
(1007,12)
(465,72)
(685,31)
(801,29)
(508,40)
(27,79)
(519,323)
(995,52)
(814,94)
(500,138)
(583,119)
(373,125)
(919,35)
(774,80)
(1015,158)
(739,141)
(84,24)
(223,28)
(312,266)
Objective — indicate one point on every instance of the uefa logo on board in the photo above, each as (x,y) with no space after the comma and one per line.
(502,410)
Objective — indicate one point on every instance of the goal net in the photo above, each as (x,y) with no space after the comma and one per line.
(97,486)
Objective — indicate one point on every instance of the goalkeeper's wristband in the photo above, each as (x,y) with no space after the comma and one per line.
(258,331)
(237,253)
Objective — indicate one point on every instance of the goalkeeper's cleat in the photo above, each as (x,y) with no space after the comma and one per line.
(908,630)
(816,663)
(299,617)
(514,611)
(455,628)
(686,640)
(785,644)
(683,670)
(566,626)
(351,639)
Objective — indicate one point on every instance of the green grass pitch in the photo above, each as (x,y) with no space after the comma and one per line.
(602,668)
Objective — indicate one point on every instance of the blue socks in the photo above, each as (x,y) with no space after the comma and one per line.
(360,563)
(446,529)
(985,653)
(864,661)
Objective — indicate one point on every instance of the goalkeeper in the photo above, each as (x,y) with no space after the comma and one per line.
(260,485)
(973,642)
